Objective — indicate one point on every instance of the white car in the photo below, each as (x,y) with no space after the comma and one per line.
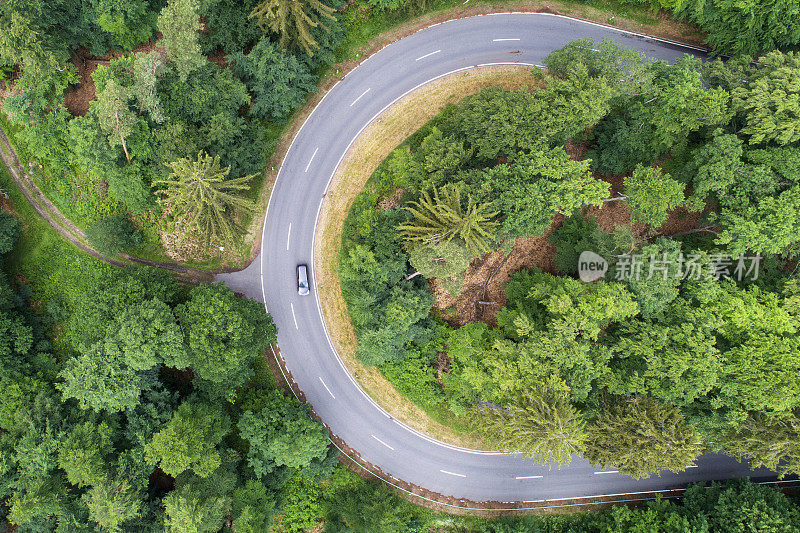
(302,280)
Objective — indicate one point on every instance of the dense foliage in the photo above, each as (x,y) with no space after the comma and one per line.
(156,104)
(640,372)
(154,412)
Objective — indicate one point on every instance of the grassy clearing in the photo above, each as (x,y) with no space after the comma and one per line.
(372,147)
(57,272)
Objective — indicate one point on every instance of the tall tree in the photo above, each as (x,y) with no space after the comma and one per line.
(542,424)
(641,436)
(652,195)
(147,68)
(112,502)
(190,440)
(279,80)
(442,218)
(539,185)
(293,21)
(179,24)
(768,440)
(199,505)
(282,434)
(224,335)
(116,118)
(203,202)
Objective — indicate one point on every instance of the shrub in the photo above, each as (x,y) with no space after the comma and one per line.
(113,235)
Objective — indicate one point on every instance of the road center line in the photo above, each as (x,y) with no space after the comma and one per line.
(452,473)
(608,472)
(326,388)
(692,466)
(379,440)
(312,158)
(359,98)
(507,39)
(294,317)
(529,477)
(289,235)
(427,55)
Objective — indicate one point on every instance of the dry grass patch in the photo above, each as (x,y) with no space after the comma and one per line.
(373,146)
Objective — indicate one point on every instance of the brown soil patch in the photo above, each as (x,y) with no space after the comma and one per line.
(77,99)
(482,295)
(372,147)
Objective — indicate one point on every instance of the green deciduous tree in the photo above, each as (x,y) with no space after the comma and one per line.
(652,195)
(199,505)
(99,379)
(626,71)
(641,436)
(675,362)
(446,261)
(9,231)
(190,440)
(179,24)
(202,200)
(293,21)
(542,424)
(539,185)
(657,285)
(148,335)
(282,434)
(739,505)
(128,23)
(443,218)
(112,502)
(147,69)
(744,28)
(253,507)
(224,335)
(113,235)
(84,453)
(770,102)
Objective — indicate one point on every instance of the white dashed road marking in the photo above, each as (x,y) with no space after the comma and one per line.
(529,477)
(452,473)
(327,389)
(289,235)
(507,39)
(359,98)
(608,472)
(312,158)
(294,317)
(379,440)
(427,55)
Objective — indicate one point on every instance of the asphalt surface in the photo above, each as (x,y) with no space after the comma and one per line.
(288,240)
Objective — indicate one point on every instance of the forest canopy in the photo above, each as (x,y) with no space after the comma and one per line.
(685,183)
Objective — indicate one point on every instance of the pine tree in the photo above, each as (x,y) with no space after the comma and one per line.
(200,198)
(116,118)
(771,442)
(179,23)
(641,436)
(441,218)
(542,424)
(293,20)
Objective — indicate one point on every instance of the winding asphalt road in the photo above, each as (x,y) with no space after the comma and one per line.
(288,240)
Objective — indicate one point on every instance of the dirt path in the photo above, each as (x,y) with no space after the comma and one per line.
(67,229)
